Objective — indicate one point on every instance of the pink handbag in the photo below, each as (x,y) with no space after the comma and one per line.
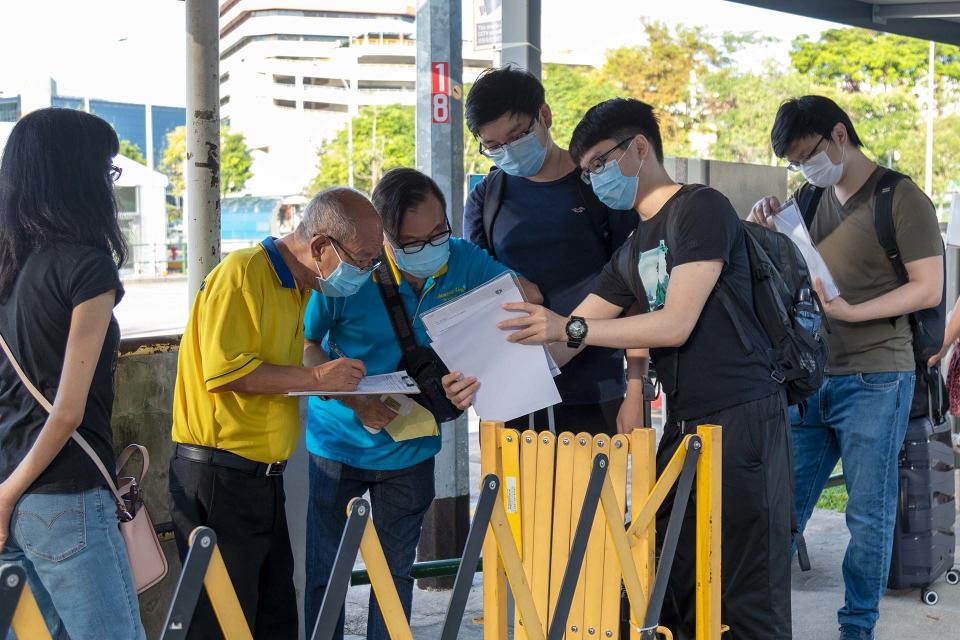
(147,561)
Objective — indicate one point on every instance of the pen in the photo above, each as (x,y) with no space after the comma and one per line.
(336,349)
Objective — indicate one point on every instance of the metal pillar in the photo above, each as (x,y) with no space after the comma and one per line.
(440,155)
(521,35)
(202,171)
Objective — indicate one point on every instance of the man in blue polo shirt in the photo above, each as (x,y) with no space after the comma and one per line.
(350,452)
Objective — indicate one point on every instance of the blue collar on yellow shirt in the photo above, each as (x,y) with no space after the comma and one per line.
(269,245)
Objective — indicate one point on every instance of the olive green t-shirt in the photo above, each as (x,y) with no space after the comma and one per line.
(847,239)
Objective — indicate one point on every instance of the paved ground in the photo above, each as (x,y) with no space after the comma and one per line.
(153,307)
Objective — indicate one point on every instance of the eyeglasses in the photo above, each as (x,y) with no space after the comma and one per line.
(371,266)
(435,241)
(115,172)
(795,166)
(597,164)
(497,149)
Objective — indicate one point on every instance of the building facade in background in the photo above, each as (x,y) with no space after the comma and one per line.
(144,125)
(294,72)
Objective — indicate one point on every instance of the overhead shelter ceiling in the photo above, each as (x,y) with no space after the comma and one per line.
(925,19)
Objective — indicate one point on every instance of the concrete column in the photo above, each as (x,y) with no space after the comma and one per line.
(440,155)
(521,35)
(202,171)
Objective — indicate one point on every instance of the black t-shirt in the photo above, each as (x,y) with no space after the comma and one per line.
(712,371)
(550,234)
(35,322)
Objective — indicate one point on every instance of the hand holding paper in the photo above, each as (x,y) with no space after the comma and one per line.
(789,222)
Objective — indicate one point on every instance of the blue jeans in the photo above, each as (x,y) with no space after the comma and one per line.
(76,564)
(862,420)
(399,500)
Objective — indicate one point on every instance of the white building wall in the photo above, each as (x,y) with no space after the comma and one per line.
(286,138)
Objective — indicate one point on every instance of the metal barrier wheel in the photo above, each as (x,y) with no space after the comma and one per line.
(953,577)
(929,597)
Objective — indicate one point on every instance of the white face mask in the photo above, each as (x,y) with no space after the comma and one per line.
(820,170)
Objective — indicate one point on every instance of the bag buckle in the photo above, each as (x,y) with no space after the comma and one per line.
(778,376)
(275,469)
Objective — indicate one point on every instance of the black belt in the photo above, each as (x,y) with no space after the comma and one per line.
(220,458)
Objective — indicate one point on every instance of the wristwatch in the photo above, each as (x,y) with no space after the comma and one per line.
(576,332)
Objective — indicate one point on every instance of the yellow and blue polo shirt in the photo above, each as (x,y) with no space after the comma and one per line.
(360,327)
(248,311)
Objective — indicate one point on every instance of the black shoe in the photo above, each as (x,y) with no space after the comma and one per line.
(850,632)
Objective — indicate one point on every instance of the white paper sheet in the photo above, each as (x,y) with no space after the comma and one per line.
(789,222)
(953,225)
(515,379)
(398,382)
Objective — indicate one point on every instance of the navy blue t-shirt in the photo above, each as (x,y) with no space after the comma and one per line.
(550,233)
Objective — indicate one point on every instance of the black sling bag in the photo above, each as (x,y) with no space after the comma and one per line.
(421,363)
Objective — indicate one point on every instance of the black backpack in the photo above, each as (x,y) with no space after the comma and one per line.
(930,396)
(493,198)
(781,287)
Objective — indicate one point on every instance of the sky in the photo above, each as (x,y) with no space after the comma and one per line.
(134,49)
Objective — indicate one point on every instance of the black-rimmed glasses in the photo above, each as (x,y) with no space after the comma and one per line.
(795,166)
(434,240)
(114,173)
(497,149)
(338,246)
(598,163)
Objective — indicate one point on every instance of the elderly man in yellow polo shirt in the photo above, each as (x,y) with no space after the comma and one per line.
(233,426)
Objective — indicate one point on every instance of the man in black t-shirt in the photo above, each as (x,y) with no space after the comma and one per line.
(689,237)
(527,213)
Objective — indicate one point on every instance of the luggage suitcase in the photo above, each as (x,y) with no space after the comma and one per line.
(924,538)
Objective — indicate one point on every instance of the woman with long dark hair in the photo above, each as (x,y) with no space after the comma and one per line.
(60,247)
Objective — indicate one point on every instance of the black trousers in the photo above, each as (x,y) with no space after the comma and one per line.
(594,419)
(247,514)
(756,531)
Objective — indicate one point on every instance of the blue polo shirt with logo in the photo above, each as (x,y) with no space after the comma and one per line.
(360,327)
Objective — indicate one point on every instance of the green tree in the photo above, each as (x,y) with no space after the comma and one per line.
(740,108)
(382,139)
(571,91)
(235,160)
(132,151)
(666,72)
(858,59)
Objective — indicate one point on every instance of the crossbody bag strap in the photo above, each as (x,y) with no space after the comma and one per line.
(79,439)
(402,327)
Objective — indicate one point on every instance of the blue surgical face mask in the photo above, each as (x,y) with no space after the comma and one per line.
(522,158)
(423,263)
(345,280)
(614,189)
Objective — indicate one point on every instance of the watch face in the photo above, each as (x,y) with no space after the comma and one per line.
(577,329)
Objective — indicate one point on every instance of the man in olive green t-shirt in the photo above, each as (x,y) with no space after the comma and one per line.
(860,414)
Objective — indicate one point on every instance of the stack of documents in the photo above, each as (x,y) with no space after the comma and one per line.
(789,222)
(515,379)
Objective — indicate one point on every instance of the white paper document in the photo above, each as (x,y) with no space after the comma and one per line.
(388,383)
(515,379)
(789,222)
(953,225)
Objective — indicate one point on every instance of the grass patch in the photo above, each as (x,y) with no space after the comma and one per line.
(834,499)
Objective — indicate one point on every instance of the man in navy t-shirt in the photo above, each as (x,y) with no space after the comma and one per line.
(528,213)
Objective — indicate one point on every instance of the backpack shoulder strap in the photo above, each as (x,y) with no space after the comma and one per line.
(809,199)
(720,289)
(492,199)
(390,293)
(883,221)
